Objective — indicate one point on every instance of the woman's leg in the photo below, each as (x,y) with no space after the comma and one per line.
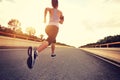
(51,31)
(53,48)
(42,46)
(45,43)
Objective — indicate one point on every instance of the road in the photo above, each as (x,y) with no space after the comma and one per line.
(109,53)
(69,64)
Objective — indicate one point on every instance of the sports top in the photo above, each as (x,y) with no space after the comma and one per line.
(54,19)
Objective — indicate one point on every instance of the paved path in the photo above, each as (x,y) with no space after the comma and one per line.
(69,64)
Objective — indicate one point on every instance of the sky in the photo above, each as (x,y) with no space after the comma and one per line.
(86,21)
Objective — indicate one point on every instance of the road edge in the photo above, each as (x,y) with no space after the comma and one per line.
(104,58)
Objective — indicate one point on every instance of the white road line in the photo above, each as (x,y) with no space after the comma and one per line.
(107,60)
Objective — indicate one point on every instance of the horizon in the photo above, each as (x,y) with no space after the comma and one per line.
(85,21)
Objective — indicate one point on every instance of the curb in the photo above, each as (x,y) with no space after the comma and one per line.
(105,59)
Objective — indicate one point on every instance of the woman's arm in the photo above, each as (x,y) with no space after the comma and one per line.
(45,13)
(61,18)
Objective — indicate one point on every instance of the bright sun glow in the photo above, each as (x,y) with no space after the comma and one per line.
(86,21)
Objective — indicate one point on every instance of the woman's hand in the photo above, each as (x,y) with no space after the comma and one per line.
(61,20)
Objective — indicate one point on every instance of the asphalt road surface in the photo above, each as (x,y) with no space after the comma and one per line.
(69,64)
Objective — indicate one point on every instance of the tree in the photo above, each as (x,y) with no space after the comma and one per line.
(31,31)
(41,36)
(19,31)
(14,24)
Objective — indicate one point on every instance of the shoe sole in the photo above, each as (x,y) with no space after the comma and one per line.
(30,51)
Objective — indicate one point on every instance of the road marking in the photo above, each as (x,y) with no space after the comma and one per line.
(107,60)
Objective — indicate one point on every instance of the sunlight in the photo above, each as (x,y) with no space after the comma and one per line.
(85,21)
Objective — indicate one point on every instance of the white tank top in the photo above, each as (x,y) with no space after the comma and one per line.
(54,19)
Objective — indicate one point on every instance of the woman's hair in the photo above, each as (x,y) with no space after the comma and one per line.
(55,3)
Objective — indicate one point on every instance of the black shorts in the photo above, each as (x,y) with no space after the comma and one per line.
(51,31)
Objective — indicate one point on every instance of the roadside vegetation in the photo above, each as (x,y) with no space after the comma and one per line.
(106,40)
(14,30)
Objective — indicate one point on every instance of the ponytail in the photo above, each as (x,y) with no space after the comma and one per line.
(55,3)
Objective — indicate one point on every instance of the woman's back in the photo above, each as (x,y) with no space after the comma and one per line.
(55,15)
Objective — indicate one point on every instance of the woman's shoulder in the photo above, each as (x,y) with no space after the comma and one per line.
(48,8)
(60,11)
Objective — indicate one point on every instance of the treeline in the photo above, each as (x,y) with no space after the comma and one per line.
(14,27)
(8,30)
(63,44)
(4,31)
(14,30)
(108,39)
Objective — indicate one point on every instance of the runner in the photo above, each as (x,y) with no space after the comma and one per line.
(52,28)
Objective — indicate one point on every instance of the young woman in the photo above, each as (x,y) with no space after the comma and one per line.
(52,28)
